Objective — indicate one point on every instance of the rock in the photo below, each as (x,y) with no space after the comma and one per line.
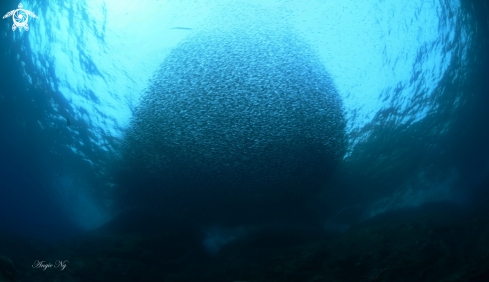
(7,268)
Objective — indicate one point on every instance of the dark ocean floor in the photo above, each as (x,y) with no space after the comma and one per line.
(433,242)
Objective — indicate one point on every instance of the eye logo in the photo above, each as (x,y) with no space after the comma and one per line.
(20,17)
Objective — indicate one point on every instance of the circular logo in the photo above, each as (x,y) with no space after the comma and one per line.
(20,17)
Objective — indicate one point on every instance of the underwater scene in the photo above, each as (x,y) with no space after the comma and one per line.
(244,140)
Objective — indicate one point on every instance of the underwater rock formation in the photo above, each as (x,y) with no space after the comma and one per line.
(7,269)
(236,124)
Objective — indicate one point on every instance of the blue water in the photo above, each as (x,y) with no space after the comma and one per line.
(409,75)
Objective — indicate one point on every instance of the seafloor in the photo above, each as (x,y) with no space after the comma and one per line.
(433,242)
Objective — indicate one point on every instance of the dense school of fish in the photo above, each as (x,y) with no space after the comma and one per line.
(235,120)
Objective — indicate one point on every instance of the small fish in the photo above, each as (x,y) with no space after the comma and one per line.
(186,28)
(68,121)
